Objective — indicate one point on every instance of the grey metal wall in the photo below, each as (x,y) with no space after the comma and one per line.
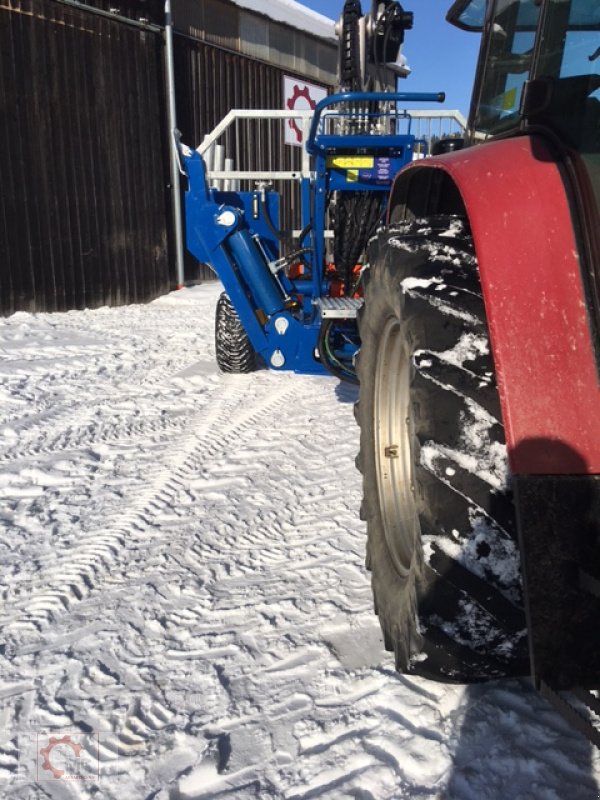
(83,199)
(227,25)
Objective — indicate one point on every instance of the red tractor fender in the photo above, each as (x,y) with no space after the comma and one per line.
(515,199)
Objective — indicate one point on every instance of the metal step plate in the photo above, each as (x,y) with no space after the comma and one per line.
(339,307)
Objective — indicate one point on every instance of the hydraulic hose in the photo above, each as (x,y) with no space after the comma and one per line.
(329,359)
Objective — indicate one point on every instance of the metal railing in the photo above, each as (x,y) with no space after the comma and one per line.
(249,148)
(250,135)
(254,143)
(429,126)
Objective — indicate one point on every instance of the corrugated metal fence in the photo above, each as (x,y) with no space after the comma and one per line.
(83,201)
(211,81)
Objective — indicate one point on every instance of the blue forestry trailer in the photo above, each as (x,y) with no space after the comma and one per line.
(293,305)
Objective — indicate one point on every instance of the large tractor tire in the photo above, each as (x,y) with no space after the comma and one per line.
(442,544)
(234,350)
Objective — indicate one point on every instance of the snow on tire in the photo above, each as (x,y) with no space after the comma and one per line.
(442,542)
(234,350)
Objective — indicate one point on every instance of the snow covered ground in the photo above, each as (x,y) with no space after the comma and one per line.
(184,594)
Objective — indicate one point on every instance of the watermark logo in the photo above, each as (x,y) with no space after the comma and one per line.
(70,757)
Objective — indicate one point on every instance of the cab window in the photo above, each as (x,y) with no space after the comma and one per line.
(511,40)
(569,61)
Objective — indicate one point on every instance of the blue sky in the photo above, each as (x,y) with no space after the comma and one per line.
(442,58)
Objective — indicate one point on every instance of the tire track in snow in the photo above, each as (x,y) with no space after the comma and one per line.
(98,364)
(279,587)
(57,441)
(48,429)
(222,634)
(80,572)
(286,706)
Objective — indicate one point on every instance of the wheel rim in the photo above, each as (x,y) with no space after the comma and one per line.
(393,454)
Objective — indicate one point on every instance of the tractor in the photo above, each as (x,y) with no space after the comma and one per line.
(471,323)
(479,373)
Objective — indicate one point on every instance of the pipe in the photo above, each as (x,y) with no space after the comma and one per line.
(100,12)
(173,145)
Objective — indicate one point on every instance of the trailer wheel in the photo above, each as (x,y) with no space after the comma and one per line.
(234,350)
(442,544)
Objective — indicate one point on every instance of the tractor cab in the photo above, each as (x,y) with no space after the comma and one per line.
(539,64)
(539,71)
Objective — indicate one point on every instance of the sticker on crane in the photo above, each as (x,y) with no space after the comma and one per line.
(299,96)
(351,162)
(367,169)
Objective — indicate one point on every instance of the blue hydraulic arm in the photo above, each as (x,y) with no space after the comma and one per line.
(246,261)
(217,234)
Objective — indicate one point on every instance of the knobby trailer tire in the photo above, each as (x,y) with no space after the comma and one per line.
(442,543)
(234,350)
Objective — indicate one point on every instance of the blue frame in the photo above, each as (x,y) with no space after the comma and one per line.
(224,229)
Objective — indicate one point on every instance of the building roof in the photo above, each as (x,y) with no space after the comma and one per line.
(294,14)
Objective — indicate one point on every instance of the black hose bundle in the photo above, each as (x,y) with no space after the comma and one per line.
(355,216)
(349,48)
